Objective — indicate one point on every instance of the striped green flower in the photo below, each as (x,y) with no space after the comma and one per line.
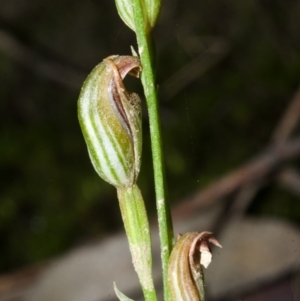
(110,119)
(150,12)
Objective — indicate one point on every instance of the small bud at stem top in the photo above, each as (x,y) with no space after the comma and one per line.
(150,10)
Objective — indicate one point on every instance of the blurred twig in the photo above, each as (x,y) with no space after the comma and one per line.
(247,193)
(208,58)
(31,59)
(289,178)
(274,30)
(256,170)
(14,285)
(72,78)
(288,121)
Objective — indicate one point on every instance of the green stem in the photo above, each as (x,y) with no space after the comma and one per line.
(137,229)
(163,208)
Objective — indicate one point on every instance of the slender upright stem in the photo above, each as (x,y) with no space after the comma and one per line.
(163,209)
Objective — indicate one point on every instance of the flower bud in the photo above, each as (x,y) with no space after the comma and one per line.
(185,275)
(150,9)
(110,119)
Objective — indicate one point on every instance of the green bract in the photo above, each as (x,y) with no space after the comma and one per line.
(110,119)
(150,12)
(137,229)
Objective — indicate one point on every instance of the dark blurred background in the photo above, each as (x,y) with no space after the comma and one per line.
(226,71)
